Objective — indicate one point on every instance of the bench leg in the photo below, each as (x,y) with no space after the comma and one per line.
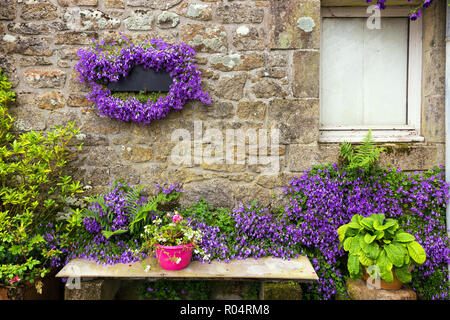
(261,290)
(91,289)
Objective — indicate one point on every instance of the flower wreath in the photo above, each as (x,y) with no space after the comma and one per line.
(102,64)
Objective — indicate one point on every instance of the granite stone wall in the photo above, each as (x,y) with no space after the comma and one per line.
(260,64)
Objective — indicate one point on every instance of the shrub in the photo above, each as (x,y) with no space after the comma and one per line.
(33,190)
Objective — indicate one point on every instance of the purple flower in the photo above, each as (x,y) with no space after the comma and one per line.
(98,67)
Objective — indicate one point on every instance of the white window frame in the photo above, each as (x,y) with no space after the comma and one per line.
(388,133)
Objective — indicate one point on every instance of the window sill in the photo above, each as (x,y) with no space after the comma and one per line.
(379,136)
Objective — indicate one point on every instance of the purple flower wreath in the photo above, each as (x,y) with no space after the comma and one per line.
(100,65)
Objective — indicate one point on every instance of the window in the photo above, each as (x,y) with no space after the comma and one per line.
(370,78)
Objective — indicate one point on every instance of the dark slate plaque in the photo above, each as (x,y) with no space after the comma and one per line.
(140,79)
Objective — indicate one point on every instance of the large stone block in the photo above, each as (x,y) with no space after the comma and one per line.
(249,38)
(198,11)
(433,118)
(237,62)
(168,20)
(154,4)
(218,193)
(7,9)
(295,24)
(76,3)
(251,110)
(51,100)
(413,157)
(28,117)
(297,120)
(116,4)
(434,72)
(75,38)
(45,78)
(434,26)
(75,85)
(92,20)
(358,290)
(269,88)
(306,74)
(215,110)
(210,39)
(231,87)
(140,20)
(39,11)
(29,46)
(137,154)
(99,156)
(246,194)
(101,176)
(239,13)
(29,28)
(302,158)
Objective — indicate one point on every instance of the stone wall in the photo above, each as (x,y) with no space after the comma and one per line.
(260,63)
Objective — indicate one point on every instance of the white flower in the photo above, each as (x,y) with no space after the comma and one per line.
(178,260)
(147,268)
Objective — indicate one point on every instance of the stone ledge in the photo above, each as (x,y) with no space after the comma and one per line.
(358,290)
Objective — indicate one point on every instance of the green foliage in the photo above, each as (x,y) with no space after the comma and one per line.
(141,213)
(141,96)
(33,189)
(202,211)
(175,290)
(376,241)
(363,156)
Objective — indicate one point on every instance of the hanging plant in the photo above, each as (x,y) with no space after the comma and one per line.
(415,13)
(103,64)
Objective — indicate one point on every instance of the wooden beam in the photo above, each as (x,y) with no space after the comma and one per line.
(363,3)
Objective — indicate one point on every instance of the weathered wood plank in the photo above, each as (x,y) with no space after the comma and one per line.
(263,268)
(363,3)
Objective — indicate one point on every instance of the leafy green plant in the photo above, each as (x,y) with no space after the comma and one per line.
(376,241)
(141,96)
(175,290)
(33,190)
(363,156)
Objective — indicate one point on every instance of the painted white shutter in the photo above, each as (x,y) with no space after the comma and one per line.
(364,72)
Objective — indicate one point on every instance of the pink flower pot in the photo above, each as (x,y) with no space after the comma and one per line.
(174,257)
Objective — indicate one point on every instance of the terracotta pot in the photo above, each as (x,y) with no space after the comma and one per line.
(394,285)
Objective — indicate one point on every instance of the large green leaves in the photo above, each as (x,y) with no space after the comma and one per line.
(367,223)
(395,254)
(368,238)
(109,234)
(376,241)
(385,266)
(354,268)
(403,274)
(341,232)
(404,237)
(416,252)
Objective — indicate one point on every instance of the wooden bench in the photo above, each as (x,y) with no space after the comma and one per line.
(79,271)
